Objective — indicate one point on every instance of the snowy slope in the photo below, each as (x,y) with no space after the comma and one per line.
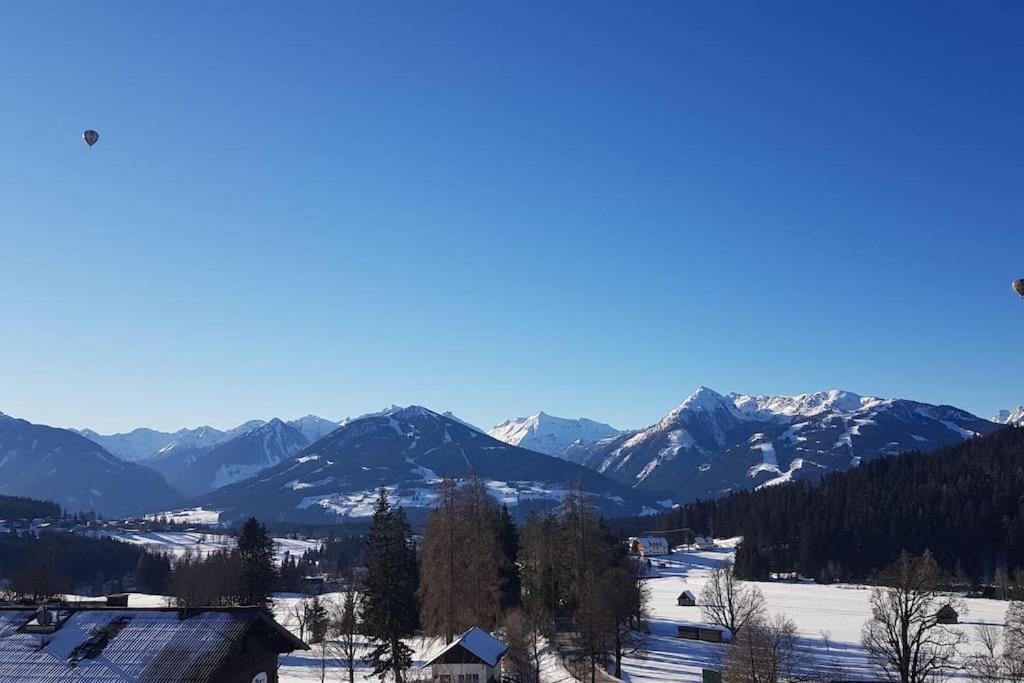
(711,444)
(548,434)
(408,450)
(313,427)
(232,460)
(1010,417)
(59,465)
(143,443)
(198,543)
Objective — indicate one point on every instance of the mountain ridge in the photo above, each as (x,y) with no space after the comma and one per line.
(712,443)
(408,450)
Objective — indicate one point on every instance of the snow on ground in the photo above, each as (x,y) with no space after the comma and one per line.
(177,543)
(188,516)
(829,620)
(306,665)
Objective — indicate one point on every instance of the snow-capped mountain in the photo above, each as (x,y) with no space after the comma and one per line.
(711,443)
(548,434)
(1010,417)
(177,455)
(248,452)
(314,427)
(144,444)
(408,450)
(59,465)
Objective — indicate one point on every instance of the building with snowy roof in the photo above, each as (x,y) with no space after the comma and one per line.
(648,546)
(473,657)
(67,643)
(704,543)
(686,599)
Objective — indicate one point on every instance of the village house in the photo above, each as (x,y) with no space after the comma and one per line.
(473,657)
(66,643)
(648,546)
(704,543)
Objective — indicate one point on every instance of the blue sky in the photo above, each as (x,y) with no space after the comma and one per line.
(586,208)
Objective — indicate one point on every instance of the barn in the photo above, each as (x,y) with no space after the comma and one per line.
(66,643)
(473,657)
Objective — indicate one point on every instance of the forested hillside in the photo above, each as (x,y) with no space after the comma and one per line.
(965,503)
(19,507)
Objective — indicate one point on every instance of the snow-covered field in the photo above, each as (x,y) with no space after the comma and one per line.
(187,516)
(177,543)
(829,619)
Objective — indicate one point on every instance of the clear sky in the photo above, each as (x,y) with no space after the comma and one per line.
(494,208)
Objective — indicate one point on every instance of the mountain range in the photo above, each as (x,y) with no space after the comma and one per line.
(149,444)
(312,468)
(407,451)
(64,467)
(711,444)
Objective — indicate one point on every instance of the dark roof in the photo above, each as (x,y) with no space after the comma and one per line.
(149,644)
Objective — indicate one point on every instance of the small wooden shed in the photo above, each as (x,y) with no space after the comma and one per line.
(947,615)
(686,599)
(707,633)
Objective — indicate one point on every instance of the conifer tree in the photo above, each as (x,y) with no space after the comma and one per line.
(389,597)
(256,550)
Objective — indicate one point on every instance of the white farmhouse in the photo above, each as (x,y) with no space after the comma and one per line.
(647,546)
(473,657)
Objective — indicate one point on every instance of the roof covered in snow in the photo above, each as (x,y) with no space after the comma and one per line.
(129,644)
(653,541)
(477,642)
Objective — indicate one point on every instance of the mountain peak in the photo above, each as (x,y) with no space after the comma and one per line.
(1003,417)
(702,399)
(549,434)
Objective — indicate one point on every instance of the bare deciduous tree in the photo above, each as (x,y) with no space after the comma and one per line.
(461,562)
(345,627)
(765,651)
(525,644)
(903,635)
(727,601)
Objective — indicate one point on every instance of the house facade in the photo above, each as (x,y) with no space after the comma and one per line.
(648,546)
(474,657)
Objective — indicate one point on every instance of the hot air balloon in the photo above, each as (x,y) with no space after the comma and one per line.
(90,137)
(1018,286)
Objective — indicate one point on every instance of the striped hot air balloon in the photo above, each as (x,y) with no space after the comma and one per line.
(91,137)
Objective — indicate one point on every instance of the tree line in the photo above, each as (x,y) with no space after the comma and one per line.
(39,568)
(19,507)
(475,567)
(962,503)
